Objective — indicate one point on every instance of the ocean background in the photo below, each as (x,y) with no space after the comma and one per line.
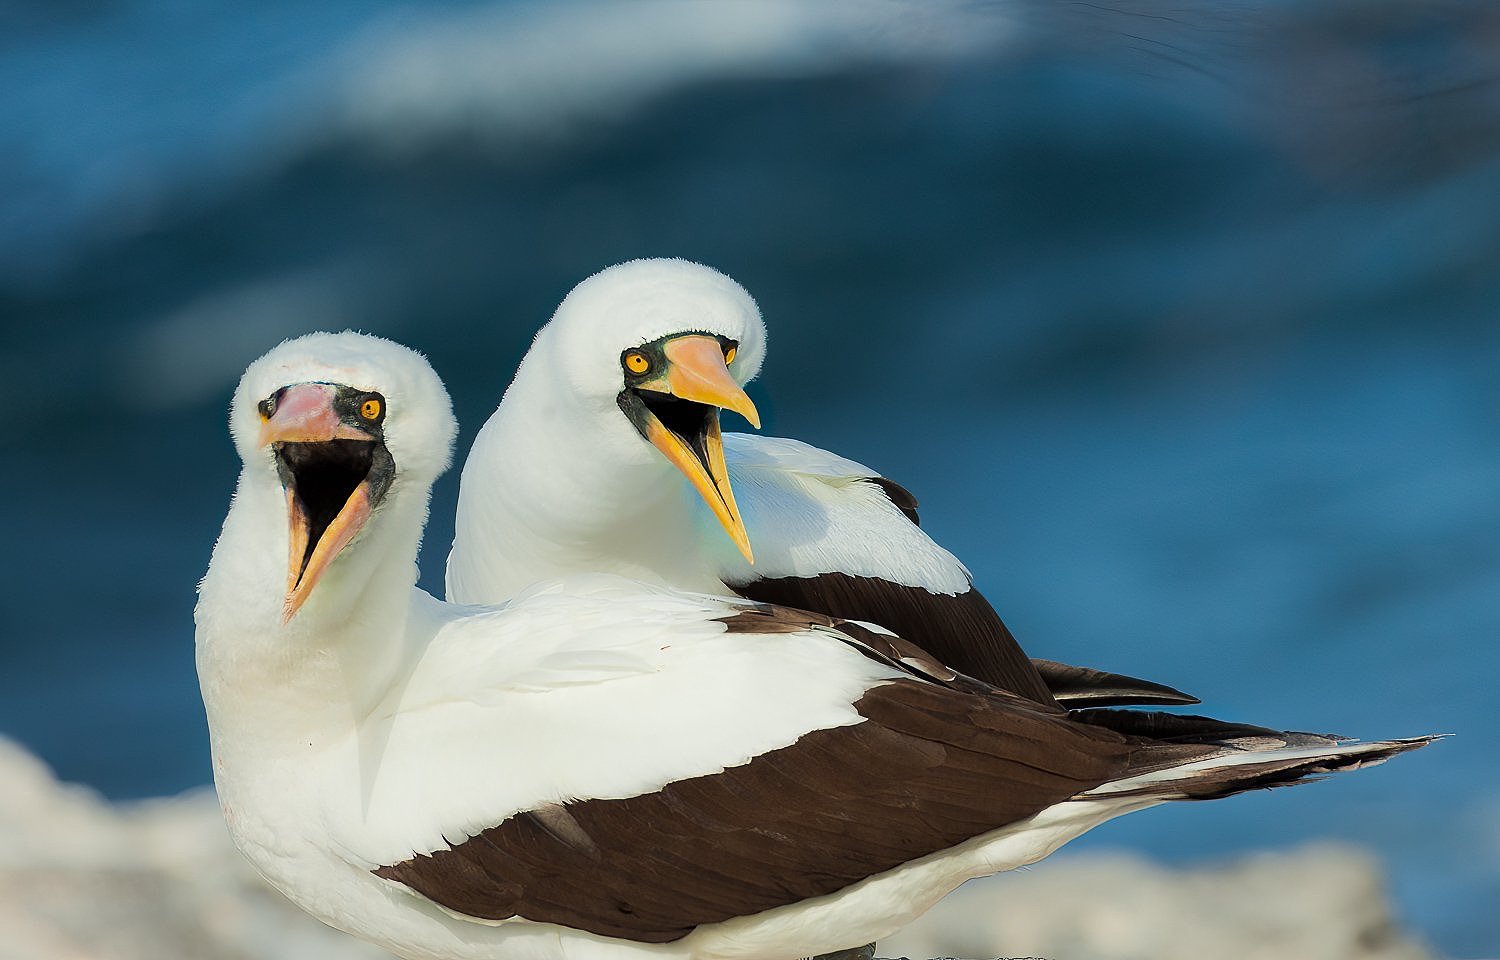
(1182,320)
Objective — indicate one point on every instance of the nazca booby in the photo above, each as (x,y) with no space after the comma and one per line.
(563,478)
(602,769)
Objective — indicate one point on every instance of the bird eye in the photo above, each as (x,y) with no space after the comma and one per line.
(636,362)
(267,408)
(729,353)
(371,408)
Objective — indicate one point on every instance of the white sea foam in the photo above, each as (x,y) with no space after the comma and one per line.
(520,71)
(505,73)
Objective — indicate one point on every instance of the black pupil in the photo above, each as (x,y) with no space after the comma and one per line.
(268,407)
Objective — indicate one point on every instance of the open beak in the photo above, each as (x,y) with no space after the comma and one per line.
(678,413)
(334,474)
(696,371)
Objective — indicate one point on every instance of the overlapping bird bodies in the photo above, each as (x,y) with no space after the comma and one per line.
(603,767)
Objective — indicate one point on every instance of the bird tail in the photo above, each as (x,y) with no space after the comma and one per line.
(1198,758)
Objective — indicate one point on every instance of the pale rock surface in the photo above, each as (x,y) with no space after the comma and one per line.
(81,879)
(1322,902)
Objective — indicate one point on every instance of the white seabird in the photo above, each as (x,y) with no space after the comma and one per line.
(601,769)
(606,455)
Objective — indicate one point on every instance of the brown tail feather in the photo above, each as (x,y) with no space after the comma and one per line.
(1238,768)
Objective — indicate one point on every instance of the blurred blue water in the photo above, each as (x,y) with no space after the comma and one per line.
(1181,322)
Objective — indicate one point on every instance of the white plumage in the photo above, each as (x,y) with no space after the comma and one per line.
(560,481)
(379,721)
(375,742)
(811,511)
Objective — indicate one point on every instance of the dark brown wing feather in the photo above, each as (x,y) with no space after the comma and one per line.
(1073,687)
(928,769)
(1077,687)
(900,496)
(962,630)
(887,648)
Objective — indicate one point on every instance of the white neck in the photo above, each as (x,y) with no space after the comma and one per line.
(549,490)
(323,672)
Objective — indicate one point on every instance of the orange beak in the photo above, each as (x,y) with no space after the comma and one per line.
(695,371)
(304,568)
(305,433)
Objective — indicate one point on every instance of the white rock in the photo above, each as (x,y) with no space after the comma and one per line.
(81,879)
(1322,902)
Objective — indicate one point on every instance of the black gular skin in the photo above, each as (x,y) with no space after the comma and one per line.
(323,474)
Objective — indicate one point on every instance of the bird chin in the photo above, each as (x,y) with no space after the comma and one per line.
(687,433)
(332,487)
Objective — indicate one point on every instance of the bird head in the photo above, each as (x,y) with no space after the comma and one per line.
(654,349)
(345,423)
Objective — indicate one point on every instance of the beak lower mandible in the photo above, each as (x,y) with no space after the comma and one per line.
(696,371)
